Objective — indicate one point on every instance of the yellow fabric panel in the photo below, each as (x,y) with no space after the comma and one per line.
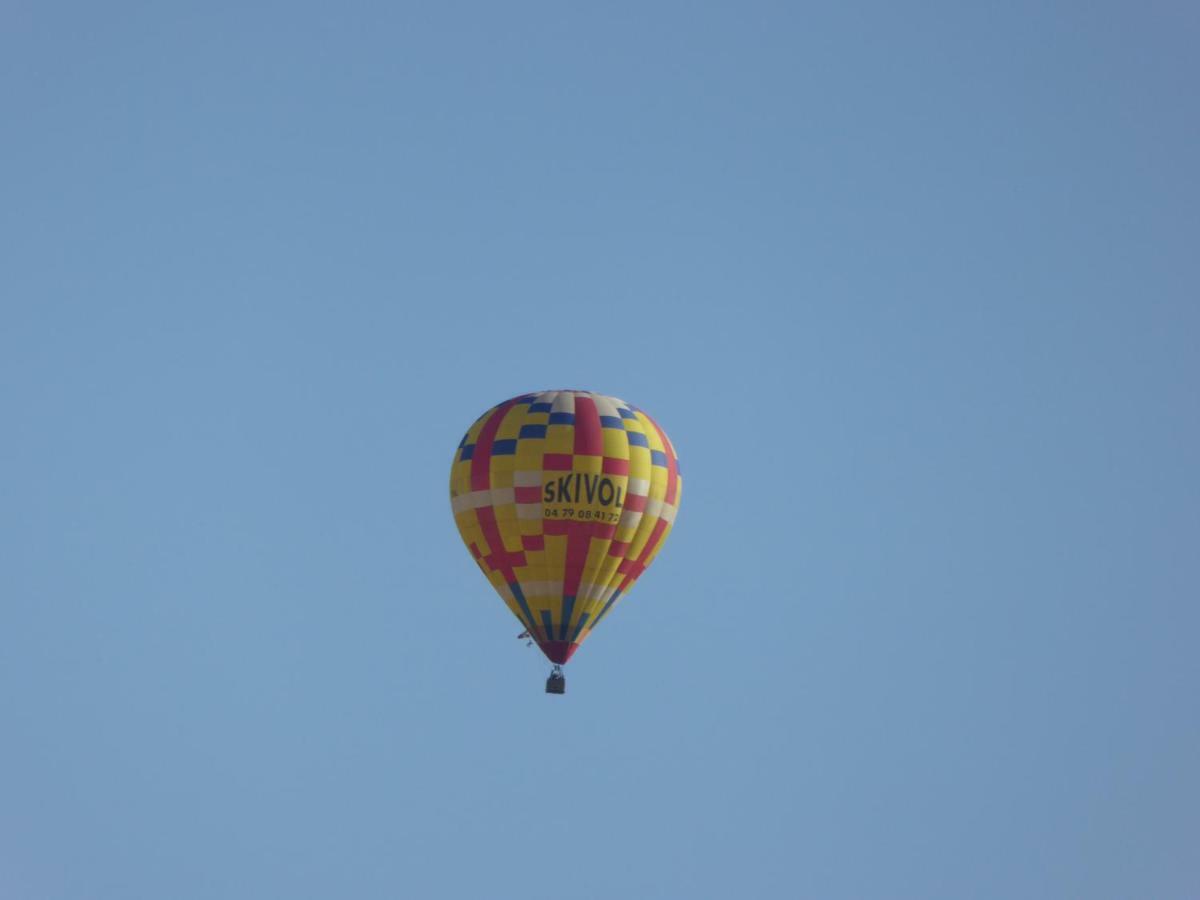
(560,438)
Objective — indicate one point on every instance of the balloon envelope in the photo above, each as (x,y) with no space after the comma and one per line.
(564,498)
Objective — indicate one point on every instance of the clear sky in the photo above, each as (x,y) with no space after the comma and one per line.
(915,290)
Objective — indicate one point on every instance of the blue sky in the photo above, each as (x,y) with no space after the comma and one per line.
(914,292)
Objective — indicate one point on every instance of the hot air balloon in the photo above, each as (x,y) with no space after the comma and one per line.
(564,498)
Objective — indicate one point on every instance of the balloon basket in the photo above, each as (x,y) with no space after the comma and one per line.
(557,682)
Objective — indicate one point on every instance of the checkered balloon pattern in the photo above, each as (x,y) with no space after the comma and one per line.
(564,498)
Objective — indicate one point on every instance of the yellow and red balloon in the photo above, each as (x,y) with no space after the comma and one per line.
(564,498)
